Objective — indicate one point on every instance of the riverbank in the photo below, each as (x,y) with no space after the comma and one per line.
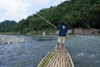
(6,39)
(92,31)
(43,32)
(76,31)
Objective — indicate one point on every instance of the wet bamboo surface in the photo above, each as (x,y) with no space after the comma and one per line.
(57,58)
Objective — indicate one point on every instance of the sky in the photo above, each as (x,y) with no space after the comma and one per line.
(20,9)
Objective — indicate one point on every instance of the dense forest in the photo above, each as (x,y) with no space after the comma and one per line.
(6,26)
(75,14)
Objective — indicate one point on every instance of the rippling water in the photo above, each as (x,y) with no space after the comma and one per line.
(29,54)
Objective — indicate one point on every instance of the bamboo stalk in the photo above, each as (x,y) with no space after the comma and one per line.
(50,62)
(63,60)
(56,60)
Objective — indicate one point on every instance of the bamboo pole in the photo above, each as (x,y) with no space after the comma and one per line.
(66,34)
(45,20)
(77,40)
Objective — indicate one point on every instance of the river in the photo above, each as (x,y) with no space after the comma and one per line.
(29,54)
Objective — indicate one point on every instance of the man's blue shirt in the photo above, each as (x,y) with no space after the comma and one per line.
(62,30)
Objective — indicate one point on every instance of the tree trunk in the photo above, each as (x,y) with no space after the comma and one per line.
(88,24)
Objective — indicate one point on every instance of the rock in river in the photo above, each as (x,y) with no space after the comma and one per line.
(6,39)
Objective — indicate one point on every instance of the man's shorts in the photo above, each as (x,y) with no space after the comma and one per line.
(61,38)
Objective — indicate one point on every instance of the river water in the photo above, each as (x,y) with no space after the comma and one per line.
(29,54)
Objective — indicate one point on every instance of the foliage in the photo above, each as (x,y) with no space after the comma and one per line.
(75,13)
(6,25)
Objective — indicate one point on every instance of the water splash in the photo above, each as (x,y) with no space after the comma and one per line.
(81,54)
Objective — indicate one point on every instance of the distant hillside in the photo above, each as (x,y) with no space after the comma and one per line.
(75,13)
(5,25)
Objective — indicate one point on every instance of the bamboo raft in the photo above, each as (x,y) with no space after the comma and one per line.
(57,59)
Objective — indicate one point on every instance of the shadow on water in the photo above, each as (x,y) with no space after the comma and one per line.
(29,54)
(45,39)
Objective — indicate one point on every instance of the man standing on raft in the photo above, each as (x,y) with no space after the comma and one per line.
(62,34)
